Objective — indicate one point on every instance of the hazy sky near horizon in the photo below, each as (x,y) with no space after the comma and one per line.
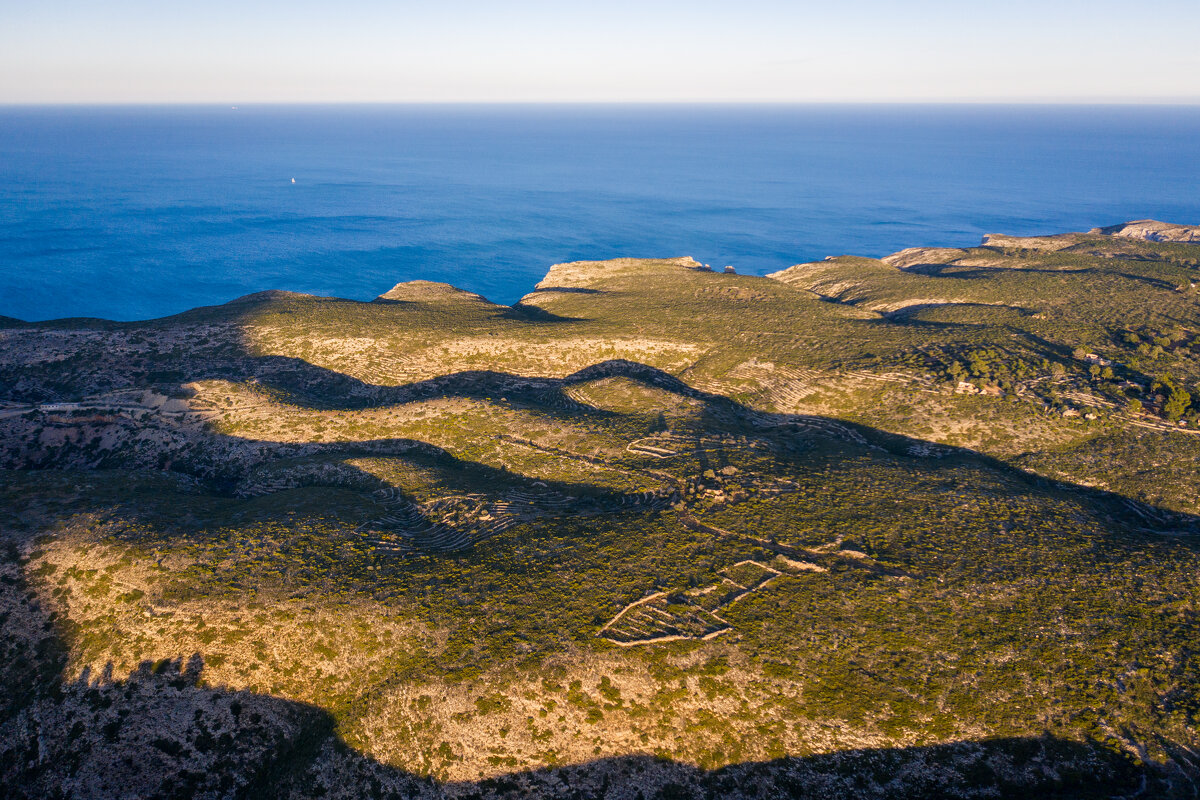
(227,51)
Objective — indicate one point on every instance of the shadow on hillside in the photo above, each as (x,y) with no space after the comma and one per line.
(548,395)
(161,733)
(302,383)
(949,271)
(524,312)
(482,500)
(901,313)
(319,388)
(954,271)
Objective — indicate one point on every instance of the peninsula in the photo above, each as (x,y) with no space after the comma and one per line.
(920,525)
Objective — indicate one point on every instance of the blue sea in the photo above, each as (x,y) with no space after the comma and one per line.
(130,213)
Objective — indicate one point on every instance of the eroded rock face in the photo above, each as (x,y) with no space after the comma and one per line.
(1150,230)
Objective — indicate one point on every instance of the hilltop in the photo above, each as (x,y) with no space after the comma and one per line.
(861,528)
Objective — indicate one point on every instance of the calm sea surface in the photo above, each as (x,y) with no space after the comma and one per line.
(130,213)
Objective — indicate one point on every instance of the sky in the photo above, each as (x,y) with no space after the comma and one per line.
(300,51)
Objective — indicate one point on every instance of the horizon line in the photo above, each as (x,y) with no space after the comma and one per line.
(1094,102)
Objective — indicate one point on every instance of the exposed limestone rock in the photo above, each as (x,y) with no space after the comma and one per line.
(585,274)
(923,255)
(1048,243)
(1153,231)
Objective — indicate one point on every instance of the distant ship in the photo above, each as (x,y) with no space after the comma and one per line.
(293,180)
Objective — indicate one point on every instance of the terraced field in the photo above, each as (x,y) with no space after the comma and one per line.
(663,617)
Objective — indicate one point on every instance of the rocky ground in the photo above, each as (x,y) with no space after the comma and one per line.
(916,526)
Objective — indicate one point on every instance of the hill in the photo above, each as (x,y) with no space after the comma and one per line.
(895,527)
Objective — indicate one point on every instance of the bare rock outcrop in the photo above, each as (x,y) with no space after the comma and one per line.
(915,256)
(1047,243)
(587,274)
(1150,230)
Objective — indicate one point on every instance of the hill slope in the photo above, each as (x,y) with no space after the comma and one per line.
(865,528)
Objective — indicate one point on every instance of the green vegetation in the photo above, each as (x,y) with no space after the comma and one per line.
(932,516)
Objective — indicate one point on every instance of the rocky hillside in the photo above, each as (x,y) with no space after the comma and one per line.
(916,526)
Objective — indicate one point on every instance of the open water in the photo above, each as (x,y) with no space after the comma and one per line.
(129,213)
